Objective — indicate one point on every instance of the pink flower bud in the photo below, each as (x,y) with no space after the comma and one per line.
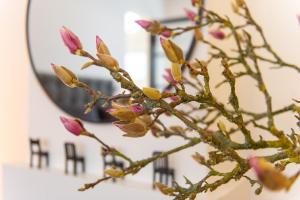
(71,40)
(168,77)
(166,33)
(137,109)
(73,125)
(145,24)
(101,46)
(254,163)
(191,15)
(217,34)
(269,176)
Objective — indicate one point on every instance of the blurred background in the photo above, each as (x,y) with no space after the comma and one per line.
(31,101)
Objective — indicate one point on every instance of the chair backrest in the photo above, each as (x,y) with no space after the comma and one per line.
(160,163)
(35,145)
(70,150)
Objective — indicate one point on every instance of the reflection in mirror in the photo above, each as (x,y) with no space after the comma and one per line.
(112,20)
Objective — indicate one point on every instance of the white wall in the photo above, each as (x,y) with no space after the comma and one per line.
(14,67)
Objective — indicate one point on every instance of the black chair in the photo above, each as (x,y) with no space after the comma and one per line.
(109,160)
(72,156)
(36,150)
(161,167)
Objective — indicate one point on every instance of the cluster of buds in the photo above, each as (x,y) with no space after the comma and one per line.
(155,28)
(132,119)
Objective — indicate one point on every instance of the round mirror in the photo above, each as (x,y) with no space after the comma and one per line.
(114,21)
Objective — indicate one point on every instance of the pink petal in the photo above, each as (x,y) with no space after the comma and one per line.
(191,15)
(137,108)
(217,34)
(98,41)
(167,33)
(144,23)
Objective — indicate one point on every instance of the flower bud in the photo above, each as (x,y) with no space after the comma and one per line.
(152,93)
(115,173)
(240,3)
(138,109)
(197,3)
(71,41)
(73,126)
(137,128)
(155,130)
(108,61)
(269,176)
(172,51)
(168,77)
(176,72)
(235,7)
(217,34)
(65,75)
(190,14)
(153,27)
(144,23)
(101,46)
(165,189)
(166,33)
(124,113)
(121,114)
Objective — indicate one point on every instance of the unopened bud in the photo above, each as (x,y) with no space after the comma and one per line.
(66,76)
(71,40)
(115,173)
(173,52)
(176,72)
(101,46)
(152,93)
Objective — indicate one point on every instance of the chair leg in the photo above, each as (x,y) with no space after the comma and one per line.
(31,160)
(153,182)
(66,166)
(160,177)
(173,178)
(167,179)
(47,160)
(74,167)
(39,161)
(83,166)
